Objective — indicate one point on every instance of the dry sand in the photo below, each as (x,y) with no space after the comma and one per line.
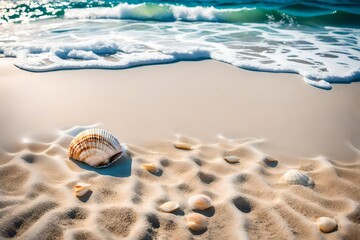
(249,199)
(202,99)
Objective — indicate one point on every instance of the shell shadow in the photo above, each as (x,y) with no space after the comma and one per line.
(178,212)
(85,197)
(207,212)
(198,232)
(158,173)
(206,178)
(120,168)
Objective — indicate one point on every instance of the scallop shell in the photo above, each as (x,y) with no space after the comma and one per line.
(95,147)
(232,159)
(151,167)
(200,202)
(296,177)
(169,207)
(196,222)
(183,146)
(81,189)
(326,225)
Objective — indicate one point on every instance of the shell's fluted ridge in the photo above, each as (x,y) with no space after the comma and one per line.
(94,147)
(296,177)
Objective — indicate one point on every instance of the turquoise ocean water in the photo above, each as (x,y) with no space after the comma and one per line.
(319,40)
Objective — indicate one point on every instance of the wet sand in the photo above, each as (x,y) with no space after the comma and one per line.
(200,99)
(270,123)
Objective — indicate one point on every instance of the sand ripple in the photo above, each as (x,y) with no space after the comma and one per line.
(249,200)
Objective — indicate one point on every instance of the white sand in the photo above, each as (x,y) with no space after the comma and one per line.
(249,199)
(199,99)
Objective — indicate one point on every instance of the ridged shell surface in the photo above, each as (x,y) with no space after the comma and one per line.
(296,177)
(95,147)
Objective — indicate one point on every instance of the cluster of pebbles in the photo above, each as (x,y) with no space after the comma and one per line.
(99,148)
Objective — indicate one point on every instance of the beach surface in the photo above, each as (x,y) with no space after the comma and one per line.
(272,122)
(202,99)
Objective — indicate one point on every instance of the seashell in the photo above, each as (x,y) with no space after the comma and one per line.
(296,177)
(169,207)
(232,159)
(183,146)
(326,225)
(151,167)
(81,189)
(196,222)
(200,202)
(95,147)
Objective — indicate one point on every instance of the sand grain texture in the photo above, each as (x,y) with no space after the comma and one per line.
(249,199)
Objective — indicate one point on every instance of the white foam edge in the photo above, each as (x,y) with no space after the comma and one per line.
(318,83)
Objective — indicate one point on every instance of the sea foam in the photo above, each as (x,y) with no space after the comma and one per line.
(322,55)
(170,12)
(158,12)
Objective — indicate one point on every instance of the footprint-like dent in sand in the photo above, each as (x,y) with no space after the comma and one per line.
(117,221)
(153,220)
(270,162)
(29,158)
(206,178)
(242,204)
